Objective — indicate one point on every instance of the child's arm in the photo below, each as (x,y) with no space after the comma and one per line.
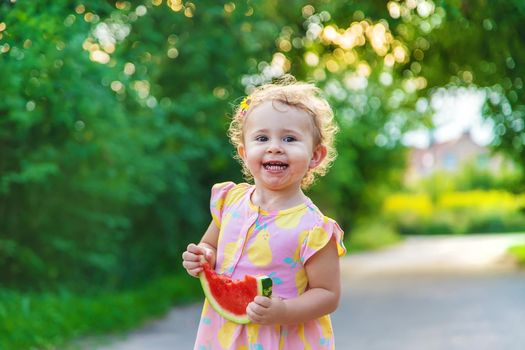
(191,258)
(321,297)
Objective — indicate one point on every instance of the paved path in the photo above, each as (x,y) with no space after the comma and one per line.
(432,293)
(436,254)
(433,312)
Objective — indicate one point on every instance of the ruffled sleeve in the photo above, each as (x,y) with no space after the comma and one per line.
(319,236)
(218,196)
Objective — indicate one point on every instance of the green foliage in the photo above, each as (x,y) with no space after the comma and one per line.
(518,252)
(471,176)
(475,199)
(193,70)
(111,163)
(45,321)
(455,212)
(73,160)
(509,177)
(489,54)
(371,235)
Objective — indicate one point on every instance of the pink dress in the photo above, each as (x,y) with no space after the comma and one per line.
(254,241)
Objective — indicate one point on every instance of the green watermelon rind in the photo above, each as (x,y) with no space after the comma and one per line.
(264,288)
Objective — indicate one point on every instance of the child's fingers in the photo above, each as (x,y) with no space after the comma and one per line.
(262,301)
(254,312)
(193,268)
(193,258)
(195,272)
(194,253)
(191,265)
(195,249)
(199,253)
(208,254)
(187,256)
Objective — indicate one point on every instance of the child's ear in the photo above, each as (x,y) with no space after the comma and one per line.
(318,156)
(241,151)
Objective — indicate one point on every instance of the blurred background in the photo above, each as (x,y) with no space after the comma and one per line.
(113,119)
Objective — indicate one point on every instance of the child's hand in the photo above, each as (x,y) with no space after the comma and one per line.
(194,256)
(264,310)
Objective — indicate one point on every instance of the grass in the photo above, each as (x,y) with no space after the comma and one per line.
(370,235)
(518,252)
(45,321)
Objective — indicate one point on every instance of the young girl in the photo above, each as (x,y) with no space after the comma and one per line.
(284,135)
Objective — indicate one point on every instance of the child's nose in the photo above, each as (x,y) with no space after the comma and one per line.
(274,147)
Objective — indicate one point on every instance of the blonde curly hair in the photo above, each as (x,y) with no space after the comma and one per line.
(300,95)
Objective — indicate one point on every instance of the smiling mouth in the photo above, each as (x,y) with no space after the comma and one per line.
(275,166)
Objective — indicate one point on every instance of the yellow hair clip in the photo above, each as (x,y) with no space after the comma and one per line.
(245,104)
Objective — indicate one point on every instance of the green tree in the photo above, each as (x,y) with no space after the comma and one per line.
(119,130)
(479,44)
(72,160)
(193,63)
(114,114)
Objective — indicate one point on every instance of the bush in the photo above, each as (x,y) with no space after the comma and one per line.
(371,235)
(44,321)
(456,212)
(518,252)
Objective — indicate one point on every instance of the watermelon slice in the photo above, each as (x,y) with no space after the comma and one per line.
(231,297)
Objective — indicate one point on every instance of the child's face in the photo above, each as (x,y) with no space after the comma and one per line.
(278,146)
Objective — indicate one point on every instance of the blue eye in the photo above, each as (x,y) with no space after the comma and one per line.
(289,139)
(261,138)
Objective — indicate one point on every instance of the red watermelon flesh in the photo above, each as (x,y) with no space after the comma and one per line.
(231,297)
